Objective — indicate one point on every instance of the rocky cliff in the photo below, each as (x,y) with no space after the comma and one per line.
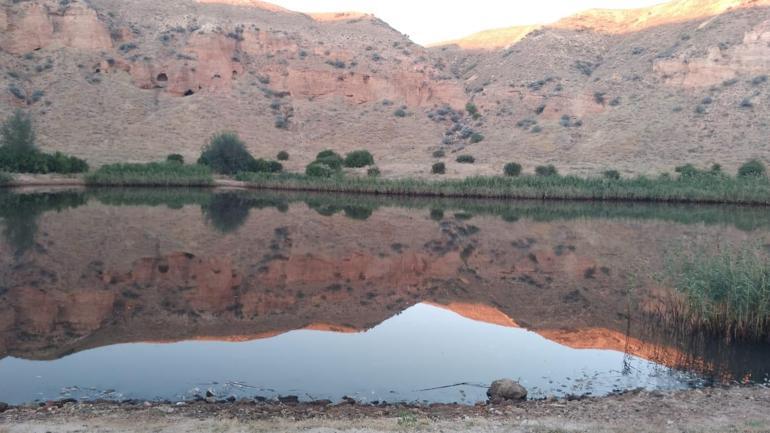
(640,90)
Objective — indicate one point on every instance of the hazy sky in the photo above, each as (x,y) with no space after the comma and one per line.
(428,21)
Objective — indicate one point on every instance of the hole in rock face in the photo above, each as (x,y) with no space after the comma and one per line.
(217,76)
(189,92)
(235,74)
(162,77)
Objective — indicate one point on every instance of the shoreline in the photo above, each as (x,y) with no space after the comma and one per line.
(711,409)
(371,188)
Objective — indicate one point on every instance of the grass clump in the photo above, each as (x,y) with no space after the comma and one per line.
(283,156)
(19,152)
(726,294)
(466,159)
(373,172)
(358,159)
(611,175)
(512,169)
(151,174)
(438,168)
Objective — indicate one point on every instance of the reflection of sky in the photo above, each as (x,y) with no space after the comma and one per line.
(424,347)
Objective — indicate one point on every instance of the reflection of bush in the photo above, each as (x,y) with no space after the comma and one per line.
(19,213)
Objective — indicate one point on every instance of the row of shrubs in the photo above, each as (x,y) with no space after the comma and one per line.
(329,162)
(752,168)
(19,152)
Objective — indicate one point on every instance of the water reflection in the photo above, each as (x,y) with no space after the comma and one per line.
(131,266)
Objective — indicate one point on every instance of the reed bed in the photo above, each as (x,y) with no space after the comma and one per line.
(725,294)
(705,189)
(151,174)
(5,178)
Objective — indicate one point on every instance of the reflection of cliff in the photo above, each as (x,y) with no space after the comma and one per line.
(102,275)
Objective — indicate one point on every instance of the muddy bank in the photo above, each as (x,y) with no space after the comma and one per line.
(718,409)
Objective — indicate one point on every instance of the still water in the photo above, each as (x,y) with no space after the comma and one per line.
(168,294)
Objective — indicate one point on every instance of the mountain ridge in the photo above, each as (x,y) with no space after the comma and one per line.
(154,78)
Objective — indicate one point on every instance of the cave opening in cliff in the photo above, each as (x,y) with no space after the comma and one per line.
(162,77)
(189,92)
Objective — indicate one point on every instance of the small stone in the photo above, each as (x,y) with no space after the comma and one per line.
(506,389)
(289,399)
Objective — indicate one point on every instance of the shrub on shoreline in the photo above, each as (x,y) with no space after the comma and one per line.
(546,171)
(512,169)
(225,153)
(611,175)
(19,152)
(438,168)
(175,157)
(358,159)
(753,168)
(318,169)
(282,156)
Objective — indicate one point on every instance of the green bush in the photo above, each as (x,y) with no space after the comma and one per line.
(439,154)
(400,113)
(334,162)
(283,155)
(753,168)
(319,169)
(512,169)
(472,110)
(476,138)
(466,159)
(225,153)
(687,170)
(265,166)
(546,171)
(175,157)
(373,172)
(326,153)
(358,159)
(438,168)
(611,175)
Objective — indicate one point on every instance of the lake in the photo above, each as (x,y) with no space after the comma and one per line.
(173,294)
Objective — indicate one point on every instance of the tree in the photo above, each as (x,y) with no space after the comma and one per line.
(18,134)
(225,153)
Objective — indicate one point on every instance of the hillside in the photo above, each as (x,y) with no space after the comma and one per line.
(641,91)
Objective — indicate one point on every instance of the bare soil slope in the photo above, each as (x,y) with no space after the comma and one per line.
(641,90)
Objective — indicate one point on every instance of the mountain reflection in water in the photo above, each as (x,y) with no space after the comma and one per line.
(87,270)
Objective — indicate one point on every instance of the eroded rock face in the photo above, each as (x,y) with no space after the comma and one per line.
(752,56)
(31,26)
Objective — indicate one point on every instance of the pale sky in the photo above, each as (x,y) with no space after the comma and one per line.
(430,21)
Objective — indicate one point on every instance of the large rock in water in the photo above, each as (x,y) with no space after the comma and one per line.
(506,390)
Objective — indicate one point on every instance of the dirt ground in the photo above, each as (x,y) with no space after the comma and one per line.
(708,410)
